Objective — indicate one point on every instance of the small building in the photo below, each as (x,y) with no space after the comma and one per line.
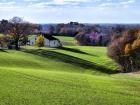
(50,41)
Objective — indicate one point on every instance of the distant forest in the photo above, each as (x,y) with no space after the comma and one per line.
(88,34)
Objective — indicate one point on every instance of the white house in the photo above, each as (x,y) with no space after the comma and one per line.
(50,41)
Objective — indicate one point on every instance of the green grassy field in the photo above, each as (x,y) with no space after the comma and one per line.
(1,35)
(74,75)
(68,41)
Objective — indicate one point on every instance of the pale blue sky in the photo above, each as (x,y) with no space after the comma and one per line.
(85,11)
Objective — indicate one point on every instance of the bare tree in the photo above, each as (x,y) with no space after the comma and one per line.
(19,29)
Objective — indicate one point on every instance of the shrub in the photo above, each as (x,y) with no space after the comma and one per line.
(40,41)
(125,51)
(4,41)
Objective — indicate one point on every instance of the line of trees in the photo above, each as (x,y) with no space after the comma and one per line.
(84,33)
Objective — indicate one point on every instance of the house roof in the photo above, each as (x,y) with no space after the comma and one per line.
(49,37)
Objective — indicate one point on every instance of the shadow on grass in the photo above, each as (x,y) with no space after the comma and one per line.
(71,60)
(2,50)
(75,51)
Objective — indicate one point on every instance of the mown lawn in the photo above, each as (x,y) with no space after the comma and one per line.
(66,40)
(73,75)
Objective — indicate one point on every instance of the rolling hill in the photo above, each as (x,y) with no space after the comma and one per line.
(73,75)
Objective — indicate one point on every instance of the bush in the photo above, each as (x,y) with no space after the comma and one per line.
(125,51)
(40,41)
(4,41)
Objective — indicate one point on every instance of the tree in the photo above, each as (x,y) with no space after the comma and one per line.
(100,40)
(80,37)
(19,30)
(40,41)
(51,30)
(4,26)
(125,51)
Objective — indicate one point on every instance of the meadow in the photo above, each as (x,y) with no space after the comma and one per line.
(72,75)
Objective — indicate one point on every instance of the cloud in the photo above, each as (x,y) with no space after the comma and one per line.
(123,3)
(7,5)
(107,4)
(127,2)
(62,3)
(31,0)
(66,1)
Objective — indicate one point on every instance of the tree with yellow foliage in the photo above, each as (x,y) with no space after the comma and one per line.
(40,41)
(136,44)
(125,51)
(128,48)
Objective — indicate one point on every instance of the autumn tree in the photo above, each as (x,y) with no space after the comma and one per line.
(125,50)
(40,41)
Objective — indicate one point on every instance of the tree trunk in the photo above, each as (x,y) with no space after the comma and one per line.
(128,65)
(17,44)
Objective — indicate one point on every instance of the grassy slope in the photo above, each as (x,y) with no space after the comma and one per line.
(1,34)
(66,76)
(65,40)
